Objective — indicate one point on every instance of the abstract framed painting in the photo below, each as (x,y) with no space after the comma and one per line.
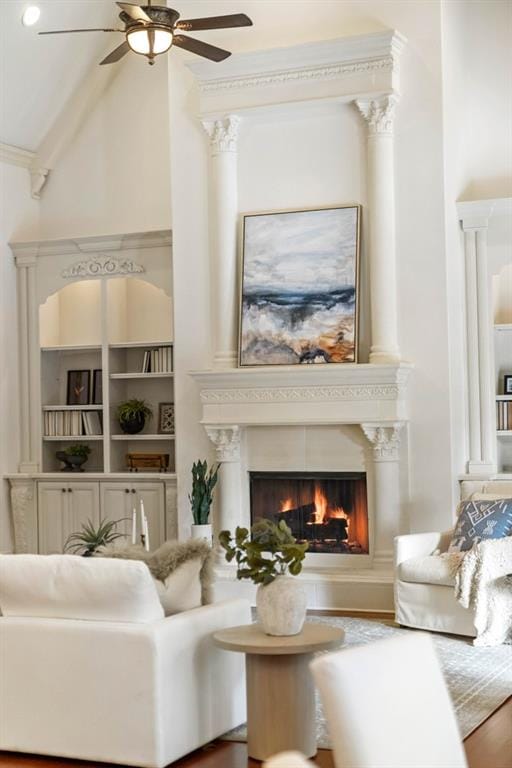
(299,287)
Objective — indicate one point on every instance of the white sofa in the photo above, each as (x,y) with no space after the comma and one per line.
(91,669)
(424,583)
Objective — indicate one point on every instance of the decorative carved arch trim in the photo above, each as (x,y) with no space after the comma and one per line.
(103,266)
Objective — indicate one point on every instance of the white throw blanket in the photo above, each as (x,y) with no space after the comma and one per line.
(481,583)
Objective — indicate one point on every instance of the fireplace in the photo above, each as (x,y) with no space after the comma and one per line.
(327,509)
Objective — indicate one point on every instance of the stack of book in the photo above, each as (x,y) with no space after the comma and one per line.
(504,414)
(158,360)
(71,423)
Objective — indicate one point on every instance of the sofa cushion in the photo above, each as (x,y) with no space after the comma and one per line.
(73,587)
(182,570)
(181,590)
(432,569)
(478,520)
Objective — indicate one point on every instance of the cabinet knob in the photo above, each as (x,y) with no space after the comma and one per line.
(63,490)
(133,490)
(70,490)
(127,490)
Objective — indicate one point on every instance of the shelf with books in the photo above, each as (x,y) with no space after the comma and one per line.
(71,438)
(141,345)
(72,407)
(163,375)
(141,436)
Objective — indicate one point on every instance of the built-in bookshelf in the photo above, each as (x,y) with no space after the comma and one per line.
(503,368)
(121,349)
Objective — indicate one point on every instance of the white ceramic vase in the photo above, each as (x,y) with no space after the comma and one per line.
(202,532)
(281,606)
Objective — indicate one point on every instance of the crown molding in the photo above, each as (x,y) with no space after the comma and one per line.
(474,214)
(16,156)
(93,245)
(370,60)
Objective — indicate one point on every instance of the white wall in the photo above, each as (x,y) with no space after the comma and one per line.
(113,177)
(477,101)
(18,221)
(319,160)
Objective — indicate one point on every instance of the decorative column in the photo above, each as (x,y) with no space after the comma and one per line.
(385,439)
(223,136)
(24,515)
(479,344)
(379,114)
(29,375)
(229,493)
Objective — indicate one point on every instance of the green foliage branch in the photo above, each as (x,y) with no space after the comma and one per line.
(265,552)
(80,449)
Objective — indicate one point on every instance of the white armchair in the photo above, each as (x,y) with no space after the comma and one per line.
(425,586)
(425,582)
(91,669)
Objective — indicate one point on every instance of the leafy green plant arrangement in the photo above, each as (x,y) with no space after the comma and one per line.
(204,481)
(133,409)
(80,449)
(87,541)
(265,552)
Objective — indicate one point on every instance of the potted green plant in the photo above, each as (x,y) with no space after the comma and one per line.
(73,457)
(132,415)
(87,541)
(266,554)
(204,481)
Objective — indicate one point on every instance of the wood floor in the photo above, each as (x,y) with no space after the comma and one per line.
(490,746)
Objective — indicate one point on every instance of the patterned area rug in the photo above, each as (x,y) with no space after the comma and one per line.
(478,679)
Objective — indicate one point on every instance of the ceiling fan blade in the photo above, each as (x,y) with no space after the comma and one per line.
(215,22)
(66,31)
(200,48)
(135,12)
(116,54)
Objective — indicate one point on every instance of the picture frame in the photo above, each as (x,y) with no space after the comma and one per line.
(166,424)
(97,387)
(299,293)
(78,387)
(507,384)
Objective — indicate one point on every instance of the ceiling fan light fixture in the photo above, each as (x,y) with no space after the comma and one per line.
(149,40)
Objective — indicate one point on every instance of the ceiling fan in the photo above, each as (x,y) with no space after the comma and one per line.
(152,29)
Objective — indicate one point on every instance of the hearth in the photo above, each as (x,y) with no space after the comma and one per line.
(327,509)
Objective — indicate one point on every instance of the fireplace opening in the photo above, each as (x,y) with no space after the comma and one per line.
(327,509)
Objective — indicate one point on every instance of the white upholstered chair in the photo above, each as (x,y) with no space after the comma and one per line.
(91,669)
(387,706)
(424,581)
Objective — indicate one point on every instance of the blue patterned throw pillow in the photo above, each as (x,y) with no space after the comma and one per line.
(480,520)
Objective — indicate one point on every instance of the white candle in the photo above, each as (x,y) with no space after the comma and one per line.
(142,516)
(134,526)
(146,533)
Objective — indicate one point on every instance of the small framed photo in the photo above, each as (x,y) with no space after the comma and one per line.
(166,418)
(97,387)
(507,384)
(78,387)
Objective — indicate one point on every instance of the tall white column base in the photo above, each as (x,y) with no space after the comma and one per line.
(24,515)
(385,440)
(229,491)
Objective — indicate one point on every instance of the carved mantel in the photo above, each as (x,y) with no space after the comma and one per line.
(332,394)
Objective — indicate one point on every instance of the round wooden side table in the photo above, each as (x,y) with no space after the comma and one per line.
(280,691)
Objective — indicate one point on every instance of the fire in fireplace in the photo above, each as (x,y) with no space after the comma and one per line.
(327,509)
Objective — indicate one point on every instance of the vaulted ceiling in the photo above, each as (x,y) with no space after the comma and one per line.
(38,75)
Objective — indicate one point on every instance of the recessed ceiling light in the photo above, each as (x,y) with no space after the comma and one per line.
(30,16)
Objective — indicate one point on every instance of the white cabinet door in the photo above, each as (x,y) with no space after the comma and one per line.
(83,506)
(119,500)
(116,504)
(62,509)
(52,503)
(152,496)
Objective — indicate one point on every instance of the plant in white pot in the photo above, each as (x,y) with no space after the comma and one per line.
(266,555)
(204,481)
